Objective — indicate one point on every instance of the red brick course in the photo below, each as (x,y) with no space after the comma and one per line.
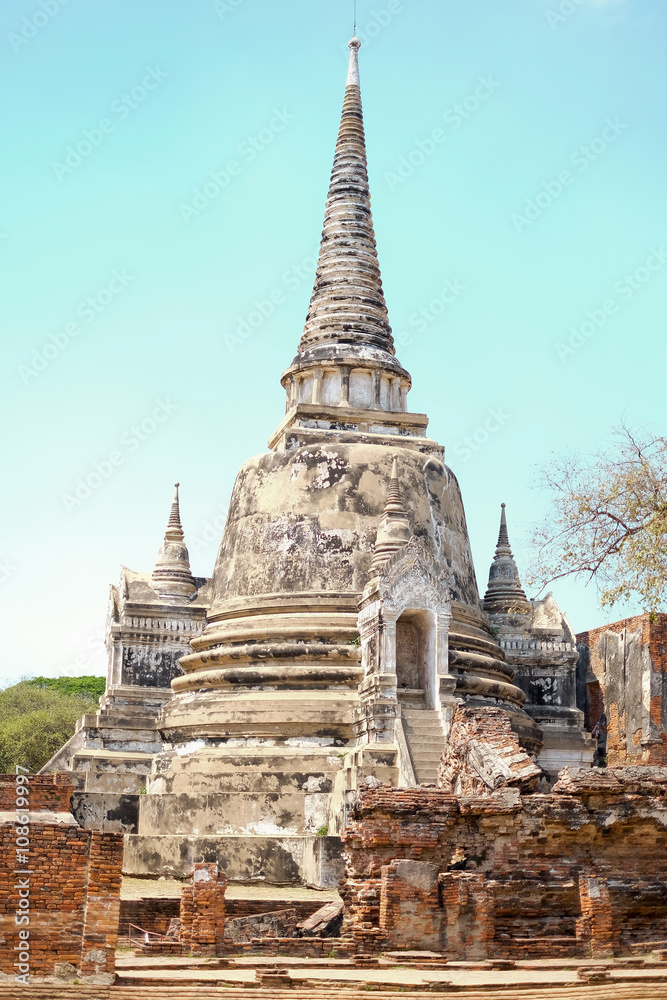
(74,885)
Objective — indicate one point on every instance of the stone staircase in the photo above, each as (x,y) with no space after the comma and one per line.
(425,738)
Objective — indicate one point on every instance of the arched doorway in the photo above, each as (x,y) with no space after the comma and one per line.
(415,658)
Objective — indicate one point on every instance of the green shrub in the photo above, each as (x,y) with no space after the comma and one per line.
(36,720)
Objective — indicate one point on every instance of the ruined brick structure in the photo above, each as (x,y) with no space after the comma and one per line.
(73,890)
(579,871)
(623,677)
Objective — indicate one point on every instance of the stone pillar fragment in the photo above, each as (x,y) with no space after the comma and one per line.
(203,910)
(595,924)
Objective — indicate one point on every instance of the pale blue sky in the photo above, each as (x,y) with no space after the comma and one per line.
(517,162)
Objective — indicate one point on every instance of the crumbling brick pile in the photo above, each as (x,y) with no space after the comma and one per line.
(60,890)
(279,923)
(484,754)
(569,873)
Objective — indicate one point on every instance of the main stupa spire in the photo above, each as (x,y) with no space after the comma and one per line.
(172,576)
(348,305)
(347,327)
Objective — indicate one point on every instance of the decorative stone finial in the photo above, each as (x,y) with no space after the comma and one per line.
(353,79)
(505,593)
(394,528)
(171,576)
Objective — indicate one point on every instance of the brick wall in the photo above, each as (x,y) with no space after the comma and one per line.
(567,873)
(627,680)
(149,914)
(73,885)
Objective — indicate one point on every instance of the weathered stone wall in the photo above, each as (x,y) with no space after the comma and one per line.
(579,871)
(73,886)
(626,679)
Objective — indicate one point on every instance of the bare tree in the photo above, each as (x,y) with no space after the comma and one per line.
(608,520)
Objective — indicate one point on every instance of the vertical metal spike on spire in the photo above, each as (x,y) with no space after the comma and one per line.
(348,304)
(394,528)
(504,593)
(172,577)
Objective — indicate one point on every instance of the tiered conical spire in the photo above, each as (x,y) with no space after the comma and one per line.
(505,593)
(394,529)
(348,305)
(172,576)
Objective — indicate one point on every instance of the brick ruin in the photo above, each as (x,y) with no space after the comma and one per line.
(70,894)
(577,872)
(622,674)
(506,873)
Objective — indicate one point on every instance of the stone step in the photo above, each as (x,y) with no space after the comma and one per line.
(430,731)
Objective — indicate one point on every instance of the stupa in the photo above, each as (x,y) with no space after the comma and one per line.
(343,620)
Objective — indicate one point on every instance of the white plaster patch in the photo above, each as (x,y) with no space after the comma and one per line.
(189,748)
(266,829)
(310,741)
(297,469)
(252,741)
(313,784)
(315,812)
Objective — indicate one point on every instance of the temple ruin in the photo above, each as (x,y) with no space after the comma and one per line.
(336,706)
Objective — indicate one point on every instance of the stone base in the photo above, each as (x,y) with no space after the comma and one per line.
(301,860)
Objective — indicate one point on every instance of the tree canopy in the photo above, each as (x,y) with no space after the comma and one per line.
(90,686)
(37,718)
(608,521)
